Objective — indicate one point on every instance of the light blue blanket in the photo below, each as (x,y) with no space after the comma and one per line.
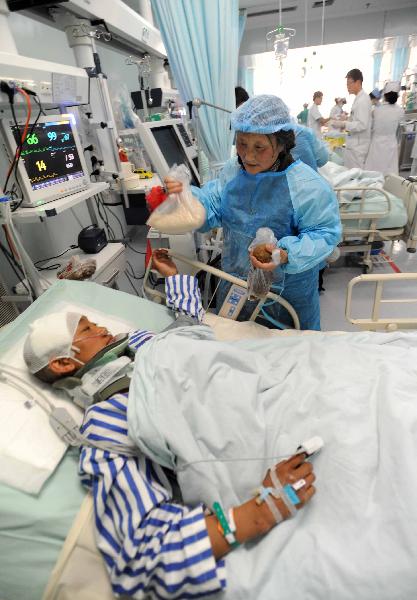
(195,399)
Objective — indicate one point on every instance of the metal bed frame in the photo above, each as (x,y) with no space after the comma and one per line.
(400,187)
(375,322)
(158,296)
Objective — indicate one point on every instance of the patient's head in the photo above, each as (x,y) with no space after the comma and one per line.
(61,343)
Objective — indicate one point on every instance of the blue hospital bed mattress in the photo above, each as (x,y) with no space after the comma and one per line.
(33,528)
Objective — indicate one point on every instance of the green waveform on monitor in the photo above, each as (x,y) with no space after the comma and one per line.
(70,148)
(43,177)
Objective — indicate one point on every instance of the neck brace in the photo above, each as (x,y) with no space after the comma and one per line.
(107,373)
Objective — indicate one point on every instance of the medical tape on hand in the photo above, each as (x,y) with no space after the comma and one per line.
(282,494)
(276,513)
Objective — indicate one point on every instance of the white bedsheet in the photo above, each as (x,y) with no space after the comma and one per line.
(29,448)
(340,176)
(195,399)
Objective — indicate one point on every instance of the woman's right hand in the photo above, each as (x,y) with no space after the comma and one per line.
(289,472)
(172,186)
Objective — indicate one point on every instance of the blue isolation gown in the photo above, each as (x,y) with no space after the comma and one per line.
(302,211)
(308,148)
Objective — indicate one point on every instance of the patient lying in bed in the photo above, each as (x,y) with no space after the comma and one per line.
(151,543)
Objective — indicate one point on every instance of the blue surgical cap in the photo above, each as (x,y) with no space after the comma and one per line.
(262,114)
(376,93)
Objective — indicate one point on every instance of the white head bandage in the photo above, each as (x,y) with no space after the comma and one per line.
(50,337)
(392,86)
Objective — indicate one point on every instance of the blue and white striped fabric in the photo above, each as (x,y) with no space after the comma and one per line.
(183,296)
(150,544)
(152,547)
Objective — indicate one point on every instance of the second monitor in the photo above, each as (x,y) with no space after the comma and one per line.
(167,143)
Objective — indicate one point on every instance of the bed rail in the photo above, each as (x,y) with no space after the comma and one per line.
(407,191)
(366,234)
(375,322)
(158,296)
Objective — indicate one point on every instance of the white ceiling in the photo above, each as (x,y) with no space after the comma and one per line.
(335,8)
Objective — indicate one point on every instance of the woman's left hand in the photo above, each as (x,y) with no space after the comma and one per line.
(270,266)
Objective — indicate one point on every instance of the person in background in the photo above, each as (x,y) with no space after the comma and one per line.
(337,111)
(375,97)
(383,151)
(265,187)
(315,119)
(358,125)
(241,95)
(303,115)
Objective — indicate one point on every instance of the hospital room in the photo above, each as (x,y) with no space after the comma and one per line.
(208,299)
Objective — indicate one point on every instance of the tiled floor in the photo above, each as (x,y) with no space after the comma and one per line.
(336,280)
(332,301)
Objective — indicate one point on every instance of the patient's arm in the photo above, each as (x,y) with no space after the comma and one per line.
(149,542)
(253,520)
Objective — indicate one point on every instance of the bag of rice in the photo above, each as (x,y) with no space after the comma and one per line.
(179,213)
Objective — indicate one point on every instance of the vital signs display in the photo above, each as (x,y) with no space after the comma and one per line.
(49,154)
(51,159)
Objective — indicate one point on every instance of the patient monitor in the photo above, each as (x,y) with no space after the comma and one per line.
(51,162)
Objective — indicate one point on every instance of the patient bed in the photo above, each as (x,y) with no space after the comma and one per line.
(373,209)
(37,530)
(49,537)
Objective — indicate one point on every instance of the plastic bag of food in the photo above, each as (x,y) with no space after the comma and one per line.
(179,213)
(259,281)
(77,268)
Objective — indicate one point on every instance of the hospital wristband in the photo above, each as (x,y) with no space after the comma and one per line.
(224,528)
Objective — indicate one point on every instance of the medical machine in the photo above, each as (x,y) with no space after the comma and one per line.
(157,99)
(167,143)
(51,164)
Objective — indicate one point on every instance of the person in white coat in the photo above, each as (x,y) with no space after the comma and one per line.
(315,120)
(337,111)
(358,125)
(383,151)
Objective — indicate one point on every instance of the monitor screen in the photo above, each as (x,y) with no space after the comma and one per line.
(49,153)
(171,148)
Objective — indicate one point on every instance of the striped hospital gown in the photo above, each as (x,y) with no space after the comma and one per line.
(152,546)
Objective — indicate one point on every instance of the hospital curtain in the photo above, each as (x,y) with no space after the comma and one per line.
(400,57)
(378,50)
(201,40)
(242,24)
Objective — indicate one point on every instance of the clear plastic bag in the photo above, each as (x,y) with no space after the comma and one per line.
(122,106)
(259,281)
(179,213)
(77,268)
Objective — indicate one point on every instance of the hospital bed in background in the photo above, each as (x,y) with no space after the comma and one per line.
(376,211)
(389,283)
(47,540)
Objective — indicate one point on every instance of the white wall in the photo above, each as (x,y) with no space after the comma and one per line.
(346,29)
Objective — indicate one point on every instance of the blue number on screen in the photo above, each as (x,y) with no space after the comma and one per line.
(65,137)
(52,135)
